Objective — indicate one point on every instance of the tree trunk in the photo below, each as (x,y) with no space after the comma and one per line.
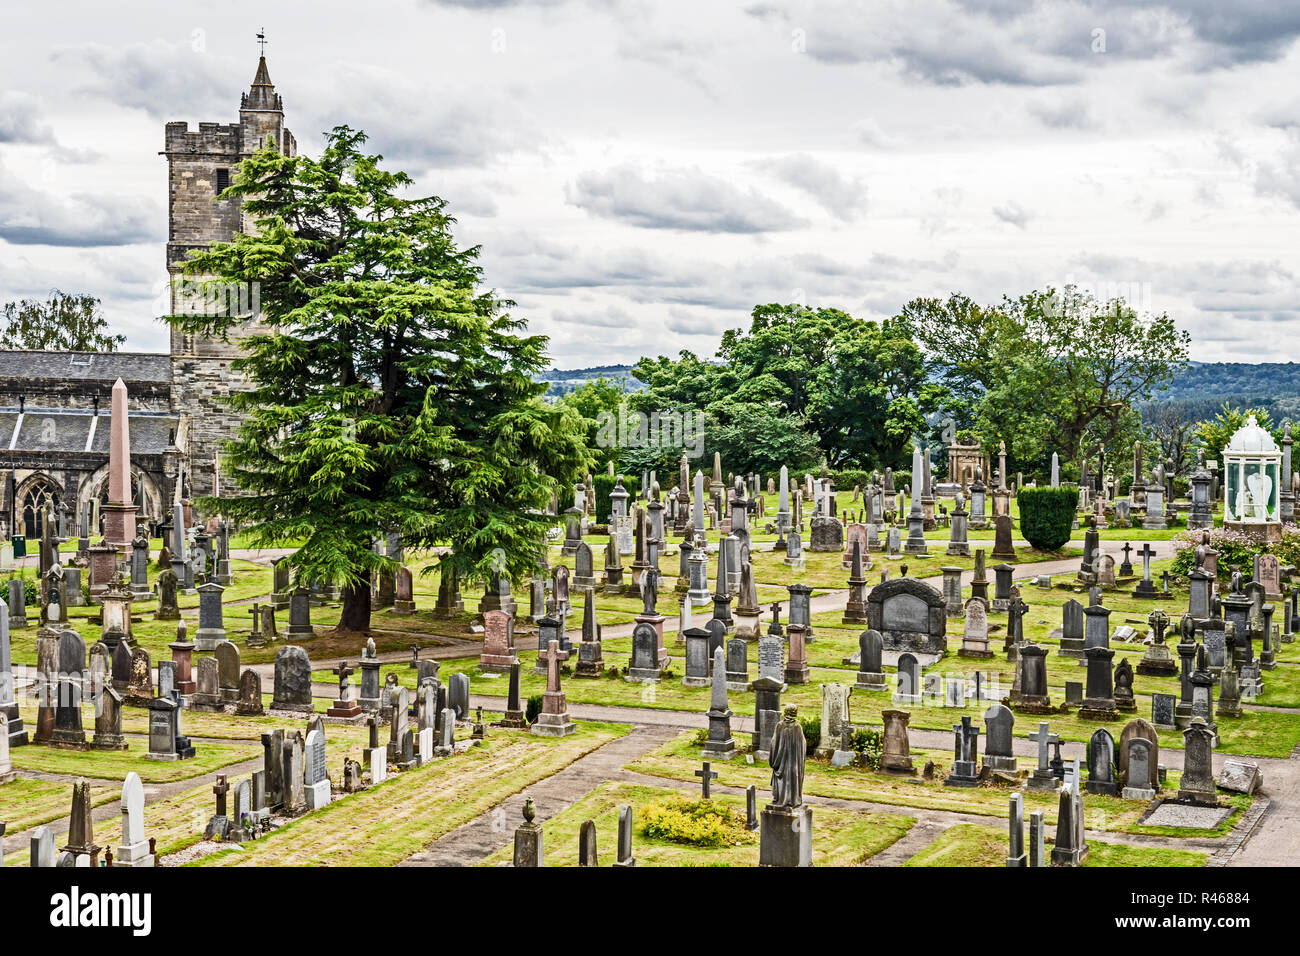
(356,608)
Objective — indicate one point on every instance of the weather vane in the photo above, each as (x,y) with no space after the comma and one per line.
(261,40)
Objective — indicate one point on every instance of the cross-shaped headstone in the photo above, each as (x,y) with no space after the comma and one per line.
(256,612)
(1043,737)
(1146,554)
(221,788)
(706,773)
(343,671)
(415,655)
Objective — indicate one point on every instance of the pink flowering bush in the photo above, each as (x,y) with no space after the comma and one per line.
(1236,550)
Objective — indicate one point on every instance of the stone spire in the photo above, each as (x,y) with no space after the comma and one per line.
(262,95)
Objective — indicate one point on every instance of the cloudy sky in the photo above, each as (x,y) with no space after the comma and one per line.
(640,173)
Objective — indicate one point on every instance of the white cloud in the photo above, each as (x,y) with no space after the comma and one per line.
(682,198)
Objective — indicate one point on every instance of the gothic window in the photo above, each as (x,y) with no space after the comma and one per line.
(39,494)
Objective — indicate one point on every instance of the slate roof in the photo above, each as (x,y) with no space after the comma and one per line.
(86,366)
(64,430)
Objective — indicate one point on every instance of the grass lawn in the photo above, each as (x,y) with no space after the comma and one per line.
(116,764)
(384,825)
(679,758)
(970,845)
(840,837)
(26,803)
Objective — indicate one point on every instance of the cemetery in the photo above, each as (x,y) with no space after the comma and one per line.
(344,580)
(1073,710)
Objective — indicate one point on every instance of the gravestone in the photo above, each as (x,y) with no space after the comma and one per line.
(248,702)
(498,642)
(975,634)
(292,690)
(300,615)
(133,851)
(227,657)
(1140,780)
(910,616)
(316,781)
(1196,785)
(896,754)
(1071,849)
(908,687)
(403,592)
(737,664)
(870,653)
(1016,833)
(1162,711)
(965,752)
(1101,763)
(458,695)
(998,753)
(835,713)
(1072,630)
(644,664)
(719,745)
(212,628)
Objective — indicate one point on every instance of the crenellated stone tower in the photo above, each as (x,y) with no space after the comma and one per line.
(200,165)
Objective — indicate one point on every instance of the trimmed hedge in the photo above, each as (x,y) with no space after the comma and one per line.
(1047,515)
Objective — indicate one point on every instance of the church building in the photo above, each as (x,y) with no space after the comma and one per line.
(54,406)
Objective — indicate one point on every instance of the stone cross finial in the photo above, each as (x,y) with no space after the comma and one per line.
(221,788)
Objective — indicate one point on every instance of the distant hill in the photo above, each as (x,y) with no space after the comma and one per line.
(563,381)
(1202,389)
(1235,380)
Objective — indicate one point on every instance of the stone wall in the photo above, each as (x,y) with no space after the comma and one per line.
(199,385)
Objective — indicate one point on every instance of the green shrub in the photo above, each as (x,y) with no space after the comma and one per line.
(603,484)
(846,478)
(1047,515)
(694,822)
(31,590)
(534,708)
(869,743)
(812,731)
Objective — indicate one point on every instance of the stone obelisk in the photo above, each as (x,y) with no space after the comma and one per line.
(119,512)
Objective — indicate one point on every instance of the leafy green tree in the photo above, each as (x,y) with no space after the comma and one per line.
(1213,436)
(859,388)
(753,438)
(65,322)
(1047,371)
(388,392)
(870,395)
(594,400)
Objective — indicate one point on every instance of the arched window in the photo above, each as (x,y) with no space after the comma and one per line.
(39,494)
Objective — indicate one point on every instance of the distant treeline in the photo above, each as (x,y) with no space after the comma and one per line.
(564,381)
(1235,382)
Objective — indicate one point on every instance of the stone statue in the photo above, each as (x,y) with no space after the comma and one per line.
(650,590)
(787,756)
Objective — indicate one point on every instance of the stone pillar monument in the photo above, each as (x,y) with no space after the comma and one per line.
(119,512)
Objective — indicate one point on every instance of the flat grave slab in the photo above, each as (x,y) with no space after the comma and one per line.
(1180,815)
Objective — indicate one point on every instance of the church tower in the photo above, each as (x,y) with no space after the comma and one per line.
(200,165)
